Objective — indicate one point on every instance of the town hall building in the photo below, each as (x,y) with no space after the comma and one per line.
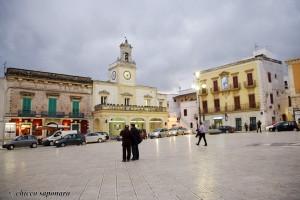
(120,100)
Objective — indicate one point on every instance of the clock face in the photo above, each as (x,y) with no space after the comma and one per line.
(127,75)
(113,75)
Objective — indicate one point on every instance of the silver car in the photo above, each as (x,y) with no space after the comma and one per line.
(158,133)
(95,137)
(22,141)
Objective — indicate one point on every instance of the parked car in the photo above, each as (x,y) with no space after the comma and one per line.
(270,128)
(158,133)
(184,131)
(70,139)
(286,126)
(105,134)
(116,137)
(95,137)
(173,131)
(227,129)
(55,136)
(22,141)
(214,131)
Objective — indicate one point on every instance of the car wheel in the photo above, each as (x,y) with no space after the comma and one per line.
(159,136)
(11,147)
(51,143)
(34,145)
(62,144)
(100,140)
(83,142)
(226,131)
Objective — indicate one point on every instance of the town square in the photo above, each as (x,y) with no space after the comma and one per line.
(149,100)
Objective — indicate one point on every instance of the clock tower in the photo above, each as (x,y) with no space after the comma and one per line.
(123,70)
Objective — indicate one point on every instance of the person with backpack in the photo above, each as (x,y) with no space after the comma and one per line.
(136,139)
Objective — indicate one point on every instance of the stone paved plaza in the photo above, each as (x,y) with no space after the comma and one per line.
(233,166)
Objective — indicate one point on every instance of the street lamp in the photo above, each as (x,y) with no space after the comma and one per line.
(197,86)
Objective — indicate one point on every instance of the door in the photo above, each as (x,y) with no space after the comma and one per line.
(238,124)
(252,123)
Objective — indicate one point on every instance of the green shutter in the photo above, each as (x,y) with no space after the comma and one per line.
(26,104)
(52,105)
(75,107)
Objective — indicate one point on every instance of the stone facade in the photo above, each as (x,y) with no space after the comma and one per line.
(294,87)
(37,88)
(244,92)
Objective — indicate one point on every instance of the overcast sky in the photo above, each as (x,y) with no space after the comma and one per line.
(171,39)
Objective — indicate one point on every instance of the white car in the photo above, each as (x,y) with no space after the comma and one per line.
(173,132)
(158,133)
(95,137)
(56,136)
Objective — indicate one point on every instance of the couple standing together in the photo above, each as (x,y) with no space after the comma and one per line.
(130,141)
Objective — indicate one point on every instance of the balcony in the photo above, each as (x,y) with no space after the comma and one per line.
(234,108)
(249,85)
(76,115)
(52,114)
(215,90)
(118,107)
(26,113)
(238,87)
(203,92)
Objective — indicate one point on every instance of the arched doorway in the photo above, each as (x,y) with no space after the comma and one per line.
(96,124)
(116,125)
(139,123)
(155,123)
(284,117)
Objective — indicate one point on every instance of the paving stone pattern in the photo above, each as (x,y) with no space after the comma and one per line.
(233,166)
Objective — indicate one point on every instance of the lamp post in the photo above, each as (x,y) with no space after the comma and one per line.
(197,86)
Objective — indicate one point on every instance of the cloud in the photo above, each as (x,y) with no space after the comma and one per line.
(170,39)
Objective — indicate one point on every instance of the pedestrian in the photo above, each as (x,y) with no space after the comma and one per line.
(136,139)
(201,134)
(258,126)
(246,126)
(126,143)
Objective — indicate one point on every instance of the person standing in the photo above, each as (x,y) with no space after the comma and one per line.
(126,143)
(136,139)
(258,126)
(246,126)
(201,134)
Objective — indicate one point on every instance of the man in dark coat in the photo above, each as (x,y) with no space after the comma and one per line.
(126,143)
(258,126)
(136,139)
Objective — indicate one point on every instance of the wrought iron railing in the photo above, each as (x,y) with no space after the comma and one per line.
(233,108)
(249,84)
(76,115)
(53,114)
(130,108)
(26,113)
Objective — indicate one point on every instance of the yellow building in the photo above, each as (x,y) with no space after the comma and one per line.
(121,101)
(243,92)
(294,99)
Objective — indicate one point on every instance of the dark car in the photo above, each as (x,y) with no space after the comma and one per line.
(116,137)
(227,129)
(70,139)
(286,126)
(22,141)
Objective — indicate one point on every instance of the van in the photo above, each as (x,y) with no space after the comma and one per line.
(57,135)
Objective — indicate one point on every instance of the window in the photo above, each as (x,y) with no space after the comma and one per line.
(237,104)
(269,77)
(126,56)
(103,99)
(286,86)
(52,105)
(75,107)
(26,107)
(127,100)
(290,101)
(216,88)
(217,105)
(147,102)
(277,93)
(252,101)
(278,106)
(249,79)
(160,104)
(235,81)
(271,98)
(185,112)
(275,76)
(204,106)
(191,125)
